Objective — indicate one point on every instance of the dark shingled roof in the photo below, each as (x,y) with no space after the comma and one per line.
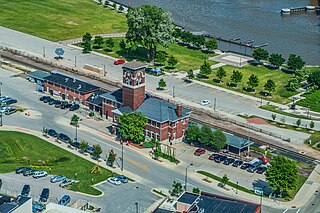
(71,82)
(95,98)
(114,95)
(160,110)
(188,198)
(134,65)
(38,74)
(125,109)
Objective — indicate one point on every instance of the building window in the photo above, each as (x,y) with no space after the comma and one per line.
(158,124)
(158,137)
(183,132)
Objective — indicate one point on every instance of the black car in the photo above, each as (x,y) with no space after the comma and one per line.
(52,101)
(21,170)
(261,169)
(228,161)
(47,100)
(43,97)
(25,190)
(44,195)
(220,159)
(52,133)
(213,156)
(245,166)
(57,104)
(74,107)
(64,137)
(65,105)
(237,163)
(76,144)
(9,101)
(28,172)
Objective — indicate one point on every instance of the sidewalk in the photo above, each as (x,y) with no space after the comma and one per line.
(78,40)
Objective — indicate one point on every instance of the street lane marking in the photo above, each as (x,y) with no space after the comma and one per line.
(107,144)
(143,167)
(298,210)
(105,136)
(285,211)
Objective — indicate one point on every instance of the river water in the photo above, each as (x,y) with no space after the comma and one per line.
(258,20)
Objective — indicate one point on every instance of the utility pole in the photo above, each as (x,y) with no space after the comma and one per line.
(0,87)
(186,177)
(173,93)
(75,61)
(137,207)
(214,104)
(0,118)
(121,141)
(44,51)
(104,70)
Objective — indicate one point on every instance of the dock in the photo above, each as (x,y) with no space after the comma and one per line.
(300,9)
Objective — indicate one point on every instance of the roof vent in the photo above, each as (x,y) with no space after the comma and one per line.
(66,80)
(79,87)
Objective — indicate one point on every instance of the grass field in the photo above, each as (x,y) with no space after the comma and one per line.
(281,95)
(60,20)
(311,100)
(20,149)
(187,58)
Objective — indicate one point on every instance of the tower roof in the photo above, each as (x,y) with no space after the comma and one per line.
(134,65)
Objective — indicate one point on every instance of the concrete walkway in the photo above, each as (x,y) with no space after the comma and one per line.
(78,40)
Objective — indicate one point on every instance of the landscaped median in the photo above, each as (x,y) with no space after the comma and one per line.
(20,149)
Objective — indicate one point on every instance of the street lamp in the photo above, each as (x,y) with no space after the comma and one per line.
(137,207)
(186,177)
(0,87)
(237,187)
(121,142)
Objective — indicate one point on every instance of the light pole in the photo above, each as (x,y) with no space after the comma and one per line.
(137,207)
(173,92)
(186,177)
(75,61)
(237,187)
(0,87)
(214,104)
(121,141)
(0,118)
(44,51)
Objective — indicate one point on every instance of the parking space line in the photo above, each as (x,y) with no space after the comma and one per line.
(285,211)
(298,210)
(107,144)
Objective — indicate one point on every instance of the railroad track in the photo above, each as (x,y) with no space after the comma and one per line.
(260,141)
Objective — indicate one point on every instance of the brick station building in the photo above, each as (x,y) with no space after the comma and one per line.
(166,121)
(68,87)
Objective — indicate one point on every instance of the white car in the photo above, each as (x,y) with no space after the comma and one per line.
(114,181)
(205,102)
(39,174)
(66,182)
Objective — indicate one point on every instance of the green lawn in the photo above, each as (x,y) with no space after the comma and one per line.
(187,58)
(20,149)
(311,100)
(60,20)
(281,95)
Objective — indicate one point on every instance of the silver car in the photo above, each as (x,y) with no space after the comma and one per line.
(58,178)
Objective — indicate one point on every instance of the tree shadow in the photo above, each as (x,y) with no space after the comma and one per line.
(263,93)
(139,53)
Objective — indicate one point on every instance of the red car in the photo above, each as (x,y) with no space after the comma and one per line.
(118,62)
(199,152)
(213,156)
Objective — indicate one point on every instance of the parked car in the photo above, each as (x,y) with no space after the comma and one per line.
(228,161)
(122,178)
(3,109)
(114,181)
(63,137)
(237,163)
(245,166)
(75,144)
(57,104)
(3,98)
(21,170)
(44,195)
(261,169)
(199,152)
(118,62)
(43,97)
(64,200)
(52,101)
(52,133)
(39,174)
(25,191)
(253,167)
(66,182)
(74,107)
(9,101)
(89,150)
(48,100)
(65,105)
(154,71)
(28,172)
(213,156)
(57,178)
(220,159)
(205,102)
(10,110)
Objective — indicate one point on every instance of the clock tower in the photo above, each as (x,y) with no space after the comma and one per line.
(133,84)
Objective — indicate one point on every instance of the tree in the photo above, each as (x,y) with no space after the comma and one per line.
(87,47)
(109,43)
(161,57)
(123,44)
(84,145)
(177,188)
(314,78)
(260,54)
(193,133)
(132,126)
(172,61)
(236,77)
(270,86)
(196,190)
(150,27)
(211,44)
(75,122)
(205,69)
(114,5)
(198,40)
(206,136)
(312,88)
(311,124)
(273,116)
(97,150)
(283,120)
(100,1)
(162,83)
(293,83)
(111,158)
(98,40)
(276,59)
(221,73)
(86,37)
(177,33)
(121,8)
(190,74)
(295,62)
(253,82)
(220,140)
(282,175)
(106,3)
(225,179)
(298,122)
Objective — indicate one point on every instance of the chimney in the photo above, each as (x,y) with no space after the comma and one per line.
(179,110)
